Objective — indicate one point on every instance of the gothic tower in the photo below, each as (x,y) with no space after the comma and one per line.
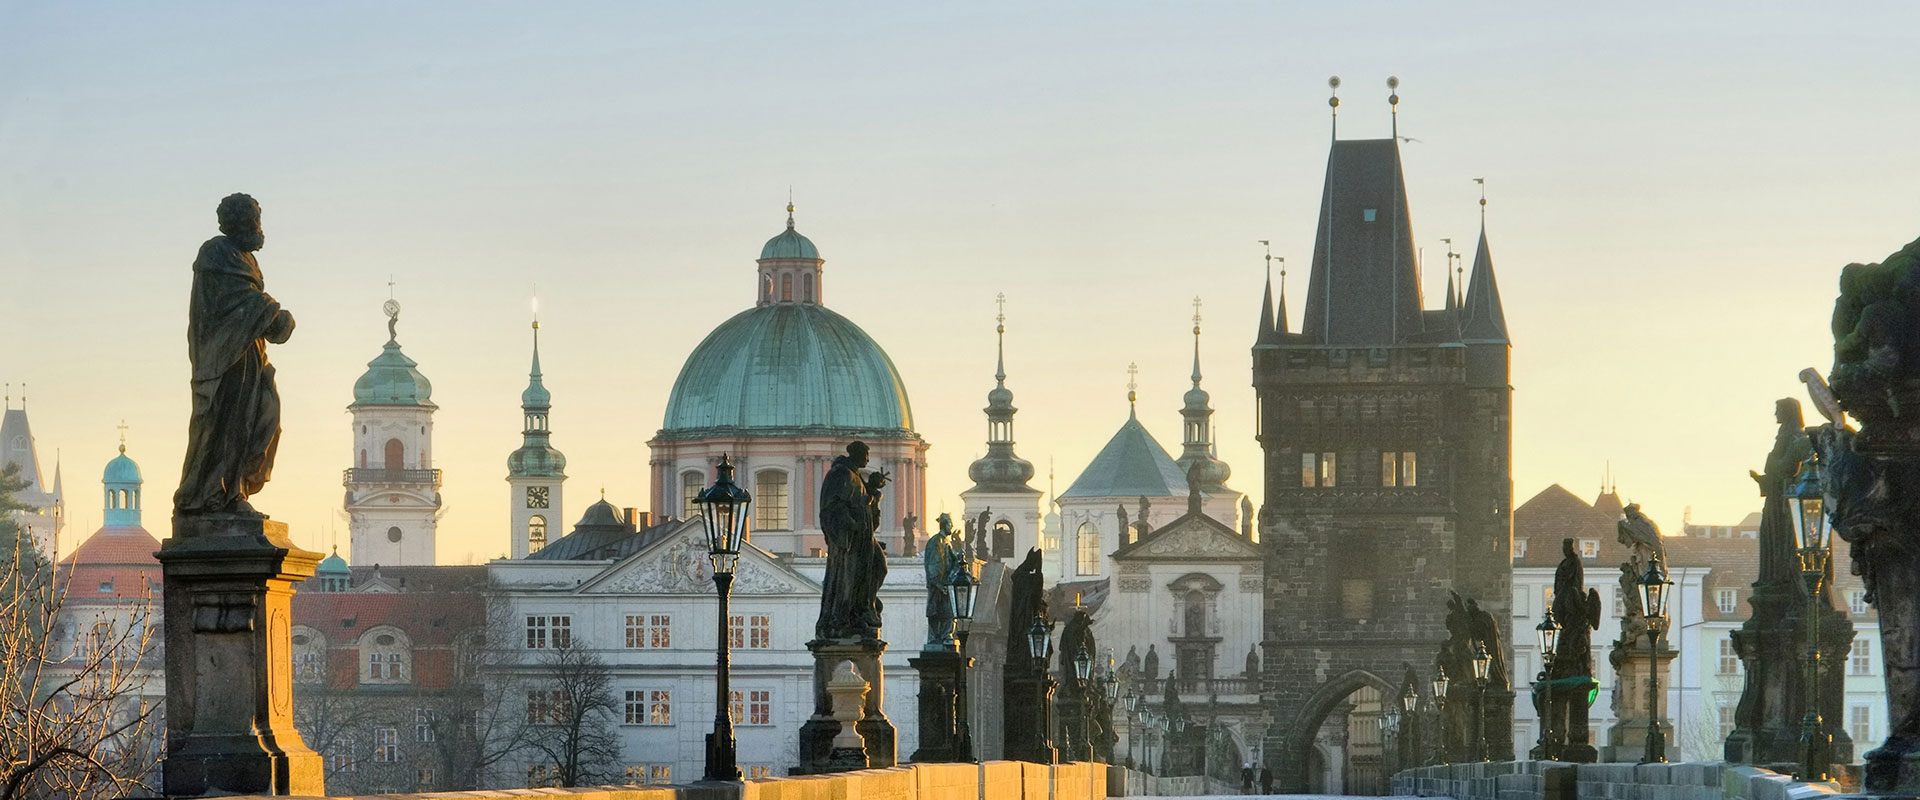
(536,471)
(393,491)
(45,514)
(1196,440)
(1387,438)
(1000,489)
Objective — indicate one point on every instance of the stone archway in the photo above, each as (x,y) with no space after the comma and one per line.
(1293,761)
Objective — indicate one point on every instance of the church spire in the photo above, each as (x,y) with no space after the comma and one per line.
(1485,319)
(536,456)
(1000,470)
(1266,333)
(1197,425)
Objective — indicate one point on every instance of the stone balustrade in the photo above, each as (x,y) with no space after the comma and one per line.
(1551,780)
(1000,780)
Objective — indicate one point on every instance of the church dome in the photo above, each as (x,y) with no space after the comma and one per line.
(790,244)
(121,470)
(332,565)
(788,369)
(537,460)
(392,380)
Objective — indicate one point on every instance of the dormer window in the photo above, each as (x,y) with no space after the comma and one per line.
(1589,548)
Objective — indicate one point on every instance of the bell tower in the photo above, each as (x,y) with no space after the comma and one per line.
(536,471)
(393,491)
(1000,491)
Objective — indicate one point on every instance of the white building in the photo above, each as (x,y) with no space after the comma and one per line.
(393,491)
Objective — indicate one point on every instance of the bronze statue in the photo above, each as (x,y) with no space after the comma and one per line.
(943,564)
(235,427)
(856,566)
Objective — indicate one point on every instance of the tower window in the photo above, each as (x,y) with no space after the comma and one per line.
(770,501)
(536,534)
(691,482)
(1369,215)
(786,288)
(1409,476)
(1088,549)
(806,287)
(396,454)
(1389,469)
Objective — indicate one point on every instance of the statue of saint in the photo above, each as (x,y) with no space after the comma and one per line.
(1577,609)
(1026,602)
(943,562)
(1641,537)
(235,427)
(1151,669)
(1778,564)
(856,565)
(982,544)
(1126,529)
(909,525)
(1140,520)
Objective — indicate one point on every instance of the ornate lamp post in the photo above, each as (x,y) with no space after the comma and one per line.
(1083,676)
(725,507)
(1549,633)
(1110,692)
(962,596)
(1134,724)
(1439,687)
(1482,662)
(1806,504)
(1653,598)
(1410,722)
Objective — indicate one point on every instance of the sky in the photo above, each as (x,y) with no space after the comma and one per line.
(1672,191)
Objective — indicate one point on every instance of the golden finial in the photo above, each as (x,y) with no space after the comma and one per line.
(123,437)
(1000,300)
(1133,373)
(1333,102)
(789,208)
(1196,315)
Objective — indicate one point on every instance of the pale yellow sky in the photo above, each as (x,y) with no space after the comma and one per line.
(1672,193)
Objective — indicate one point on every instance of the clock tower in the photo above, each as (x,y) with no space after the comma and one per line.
(536,471)
(393,491)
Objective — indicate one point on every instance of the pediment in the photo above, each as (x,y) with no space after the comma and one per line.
(1194,536)
(678,564)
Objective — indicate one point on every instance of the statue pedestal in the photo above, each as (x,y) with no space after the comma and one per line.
(1627,737)
(227,586)
(816,734)
(941,707)
(1027,713)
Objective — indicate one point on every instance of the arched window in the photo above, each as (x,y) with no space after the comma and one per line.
(770,501)
(806,287)
(536,534)
(309,654)
(691,482)
(786,288)
(363,458)
(1089,549)
(386,656)
(396,454)
(1002,541)
(766,288)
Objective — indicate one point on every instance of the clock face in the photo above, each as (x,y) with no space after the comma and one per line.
(536,497)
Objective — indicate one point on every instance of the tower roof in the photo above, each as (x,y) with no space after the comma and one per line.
(333,564)
(122,470)
(1132,464)
(1484,318)
(16,447)
(1000,470)
(1364,289)
(391,378)
(536,396)
(536,456)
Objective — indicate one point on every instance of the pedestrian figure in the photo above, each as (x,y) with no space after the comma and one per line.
(1266,780)
(1246,779)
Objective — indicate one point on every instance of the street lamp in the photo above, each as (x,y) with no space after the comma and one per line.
(1410,725)
(1082,674)
(1482,662)
(1039,643)
(1440,738)
(1806,504)
(1653,598)
(1549,633)
(962,595)
(724,511)
(1109,692)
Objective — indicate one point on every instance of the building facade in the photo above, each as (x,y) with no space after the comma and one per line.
(1386,432)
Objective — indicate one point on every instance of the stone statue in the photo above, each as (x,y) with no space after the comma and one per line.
(1140,520)
(1028,599)
(856,566)
(1246,518)
(235,427)
(1196,475)
(909,525)
(1131,664)
(1633,618)
(1577,608)
(1151,668)
(1126,527)
(1641,536)
(1253,662)
(943,563)
(1778,564)
(983,537)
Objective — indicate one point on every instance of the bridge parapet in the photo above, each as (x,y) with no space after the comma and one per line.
(1552,780)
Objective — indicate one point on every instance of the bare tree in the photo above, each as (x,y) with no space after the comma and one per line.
(476,731)
(331,719)
(73,724)
(569,695)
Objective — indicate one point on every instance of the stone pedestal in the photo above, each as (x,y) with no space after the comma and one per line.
(1773,700)
(228,583)
(1027,715)
(1627,737)
(816,734)
(941,707)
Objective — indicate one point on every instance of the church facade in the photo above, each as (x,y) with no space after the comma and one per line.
(1386,431)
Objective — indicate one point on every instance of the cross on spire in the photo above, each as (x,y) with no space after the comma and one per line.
(1196,315)
(1133,374)
(123,436)
(1000,331)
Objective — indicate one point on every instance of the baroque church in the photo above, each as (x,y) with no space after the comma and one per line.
(1386,430)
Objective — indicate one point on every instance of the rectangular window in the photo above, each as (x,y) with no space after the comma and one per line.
(1857,602)
(770,501)
(756,771)
(659,707)
(546,631)
(1409,476)
(546,707)
(386,745)
(1862,656)
(759,632)
(1729,658)
(1726,600)
(649,630)
(1589,548)
(1725,713)
(753,707)
(342,755)
(1389,469)
(737,631)
(636,773)
(660,773)
(636,708)
(1309,468)
(1327,470)
(424,778)
(1356,598)
(422,725)
(539,776)
(1520,547)
(1861,721)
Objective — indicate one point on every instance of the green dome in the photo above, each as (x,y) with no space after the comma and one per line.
(790,244)
(537,461)
(392,380)
(122,470)
(788,368)
(332,565)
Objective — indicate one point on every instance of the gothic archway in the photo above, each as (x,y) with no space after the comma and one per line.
(1299,757)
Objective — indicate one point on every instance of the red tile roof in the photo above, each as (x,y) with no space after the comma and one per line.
(115,562)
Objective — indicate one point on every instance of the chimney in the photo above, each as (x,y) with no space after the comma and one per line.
(631,516)
(643,520)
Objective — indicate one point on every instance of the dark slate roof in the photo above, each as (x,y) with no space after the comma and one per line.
(1090,593)
(1556,514)
(1364,290)
(607,542)
(1483,318)
(1131,465)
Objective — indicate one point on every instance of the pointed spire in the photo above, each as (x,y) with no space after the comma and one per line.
(1196,342)
(1265,333)
(1000,331)
(1000,470)
(1485,319)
